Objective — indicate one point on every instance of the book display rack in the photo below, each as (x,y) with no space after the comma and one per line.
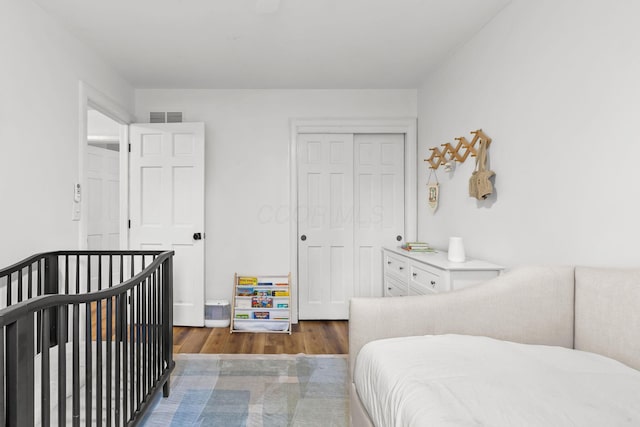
(261,303)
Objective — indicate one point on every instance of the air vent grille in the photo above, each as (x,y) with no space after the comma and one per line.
(174,117)
(157,117)
(162,117)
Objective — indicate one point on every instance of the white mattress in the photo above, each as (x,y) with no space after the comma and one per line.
(455,380)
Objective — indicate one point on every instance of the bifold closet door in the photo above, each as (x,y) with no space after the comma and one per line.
(350,204)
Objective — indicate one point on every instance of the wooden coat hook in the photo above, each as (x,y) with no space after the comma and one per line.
(459,153)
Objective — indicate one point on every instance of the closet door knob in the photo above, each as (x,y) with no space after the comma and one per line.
(303,237)
(398,237)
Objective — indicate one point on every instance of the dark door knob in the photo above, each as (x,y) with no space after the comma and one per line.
(303,237)
(398,237)
(197,236)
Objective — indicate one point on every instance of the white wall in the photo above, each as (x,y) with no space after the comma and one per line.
(247,165)
(39,127)
(555,84)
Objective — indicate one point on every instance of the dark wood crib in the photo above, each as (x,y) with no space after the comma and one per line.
(85,337)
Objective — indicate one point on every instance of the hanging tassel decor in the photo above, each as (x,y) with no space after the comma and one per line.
(433,191)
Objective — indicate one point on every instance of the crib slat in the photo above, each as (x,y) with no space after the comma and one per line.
(138,342)
(29,281)
(3,411)
(145,337)
(99,362)
(62,366)
(66,274)
(88,365)
(76,365)
(167,313)
(20,375)
(125,355)
(20,285)
(45,374)
(109,344)
(132,351)
(9,289)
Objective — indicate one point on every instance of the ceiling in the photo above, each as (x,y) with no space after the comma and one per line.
(260,44)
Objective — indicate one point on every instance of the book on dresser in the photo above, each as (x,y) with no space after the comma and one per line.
(261,303)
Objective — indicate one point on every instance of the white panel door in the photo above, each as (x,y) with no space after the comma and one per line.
(103,198)
(379,202)
(167,206)
(325,225)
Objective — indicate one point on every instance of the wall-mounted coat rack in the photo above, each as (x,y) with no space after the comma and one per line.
(459,153)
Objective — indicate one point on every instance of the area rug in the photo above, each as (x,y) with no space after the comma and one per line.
(254,390)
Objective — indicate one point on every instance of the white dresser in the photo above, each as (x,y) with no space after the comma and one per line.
(411,273)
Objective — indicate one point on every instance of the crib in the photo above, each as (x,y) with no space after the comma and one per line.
(85,337)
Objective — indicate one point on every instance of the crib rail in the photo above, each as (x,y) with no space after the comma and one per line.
(85,337)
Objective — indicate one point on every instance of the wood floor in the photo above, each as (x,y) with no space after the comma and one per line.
(308,336)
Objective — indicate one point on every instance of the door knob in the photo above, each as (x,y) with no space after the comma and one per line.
(303,237)
(197,236)
(398,237)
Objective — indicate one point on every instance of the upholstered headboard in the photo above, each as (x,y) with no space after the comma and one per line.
(607,313)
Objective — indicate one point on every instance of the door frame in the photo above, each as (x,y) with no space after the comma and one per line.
(89,97)
(406,126)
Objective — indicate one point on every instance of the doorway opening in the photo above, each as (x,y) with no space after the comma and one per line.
(102,184)
(103,172)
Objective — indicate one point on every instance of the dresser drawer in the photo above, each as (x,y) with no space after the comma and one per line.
(394,288)
(426,280)
(396,265)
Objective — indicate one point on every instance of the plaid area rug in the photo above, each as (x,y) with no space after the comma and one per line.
(254,390)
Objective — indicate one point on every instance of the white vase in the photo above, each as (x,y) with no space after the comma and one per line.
(456,249)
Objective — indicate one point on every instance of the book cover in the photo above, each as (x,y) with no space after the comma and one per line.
(263,315)
(262,292)
(262,302)
(245,280)
(244,291)
(281,293)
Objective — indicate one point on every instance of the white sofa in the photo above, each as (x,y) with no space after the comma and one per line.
(585,309)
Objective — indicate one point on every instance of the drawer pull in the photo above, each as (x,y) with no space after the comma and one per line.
(389,262)
(415,274)
(401,268)
(433,283)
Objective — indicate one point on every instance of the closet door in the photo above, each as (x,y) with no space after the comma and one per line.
(350,205)
(379,206)
(325,225)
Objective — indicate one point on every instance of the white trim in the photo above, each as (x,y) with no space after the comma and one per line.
(406,126)
(90,97)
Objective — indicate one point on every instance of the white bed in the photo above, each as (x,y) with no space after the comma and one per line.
(457,380)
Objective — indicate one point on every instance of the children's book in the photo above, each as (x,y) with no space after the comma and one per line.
(262,302)
(244,291)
